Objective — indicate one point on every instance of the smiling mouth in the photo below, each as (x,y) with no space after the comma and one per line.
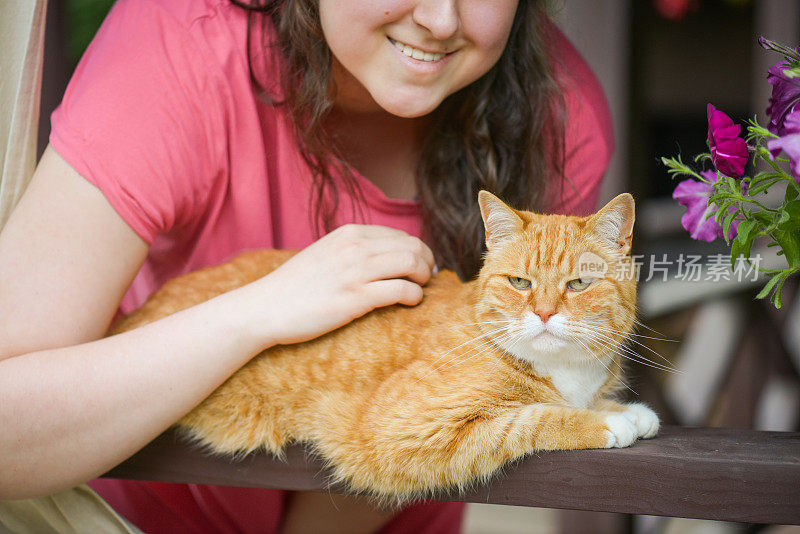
(416,53)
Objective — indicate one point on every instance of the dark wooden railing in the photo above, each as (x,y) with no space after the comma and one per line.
(733,475)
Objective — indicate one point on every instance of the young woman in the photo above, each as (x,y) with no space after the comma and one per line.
(195,129)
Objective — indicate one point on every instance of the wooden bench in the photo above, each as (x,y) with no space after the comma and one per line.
(722,474)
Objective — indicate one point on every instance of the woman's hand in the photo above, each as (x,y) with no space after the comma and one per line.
(347,273)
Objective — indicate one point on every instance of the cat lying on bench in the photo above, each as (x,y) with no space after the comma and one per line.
(407,400)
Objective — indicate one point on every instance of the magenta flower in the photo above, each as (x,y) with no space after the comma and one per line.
(699,217)
(728,150)
(789,143)
(785,98)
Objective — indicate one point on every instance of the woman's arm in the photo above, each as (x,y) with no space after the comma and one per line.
(71,405)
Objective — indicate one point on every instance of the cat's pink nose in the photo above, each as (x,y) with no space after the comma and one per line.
(544,313)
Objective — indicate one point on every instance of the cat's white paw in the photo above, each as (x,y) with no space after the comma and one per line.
(621,432)
(645,419)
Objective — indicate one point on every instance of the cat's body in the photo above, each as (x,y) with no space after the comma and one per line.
(410,399)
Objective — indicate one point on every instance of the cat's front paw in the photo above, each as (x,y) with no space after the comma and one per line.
(620,431)
(645,419)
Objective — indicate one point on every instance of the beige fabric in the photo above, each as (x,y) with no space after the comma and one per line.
(80,509)
(74,511)
(22,45)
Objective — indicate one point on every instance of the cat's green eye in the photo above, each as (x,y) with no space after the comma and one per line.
(579,284)
(519,283)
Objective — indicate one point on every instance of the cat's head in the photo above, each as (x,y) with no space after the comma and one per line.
(557,286)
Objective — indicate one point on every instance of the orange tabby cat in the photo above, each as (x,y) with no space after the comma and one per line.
(406,400)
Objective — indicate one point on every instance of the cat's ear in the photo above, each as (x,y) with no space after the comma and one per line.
(615,222)
(500,221)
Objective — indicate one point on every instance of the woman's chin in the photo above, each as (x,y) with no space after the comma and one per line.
(408,106)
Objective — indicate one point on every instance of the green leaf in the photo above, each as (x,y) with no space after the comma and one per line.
(767,288)
(760,177)
(766,218)
(747,231)
(788,238)
(755,128)
(763,186)
(718,215)
(776,295)
(791,194)
(734,186)
(726,226)
(793,209)
(676,167)
(719,198)
(790,215)
(721,212)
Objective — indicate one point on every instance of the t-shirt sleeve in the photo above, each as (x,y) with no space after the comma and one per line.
(142,118)
(588,133)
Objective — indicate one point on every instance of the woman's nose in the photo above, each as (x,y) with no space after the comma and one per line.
(439,17)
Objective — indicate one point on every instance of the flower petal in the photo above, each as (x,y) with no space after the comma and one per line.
(728,151)
(785,98)
(699,217)
(716,118)
(790,144)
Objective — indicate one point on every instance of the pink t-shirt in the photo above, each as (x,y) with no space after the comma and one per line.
(160,116)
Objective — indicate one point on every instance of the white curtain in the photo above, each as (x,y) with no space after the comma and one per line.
(21,51)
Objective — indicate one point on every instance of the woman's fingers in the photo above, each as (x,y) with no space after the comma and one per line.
(397,264)
(405,244)
(379,252)
(344,275)
(395,291)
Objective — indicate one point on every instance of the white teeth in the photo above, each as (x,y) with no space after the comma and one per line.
(416,53)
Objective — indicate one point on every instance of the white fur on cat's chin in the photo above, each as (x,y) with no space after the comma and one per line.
(539,338)
(577,375)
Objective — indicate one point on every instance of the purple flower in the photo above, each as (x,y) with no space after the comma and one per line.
(789,143)
(785,98)
(699,217)
(728,150)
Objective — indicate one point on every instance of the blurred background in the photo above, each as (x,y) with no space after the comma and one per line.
(660,62)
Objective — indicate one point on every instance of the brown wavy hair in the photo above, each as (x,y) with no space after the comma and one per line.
(502,133)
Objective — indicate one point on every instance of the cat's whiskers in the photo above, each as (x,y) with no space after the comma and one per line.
(639,323)
(593,324)
(630,353)
(436,368)
(487,345)
(502,321)
(457,361)
(668,364)
(513,337)
(471,340)
(619,350)
(608,333)
(626,352)
(634,334)
(611,330)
